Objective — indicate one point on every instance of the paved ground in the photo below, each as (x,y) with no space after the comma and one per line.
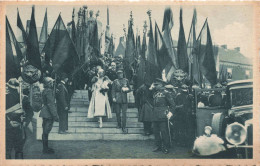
(99,150)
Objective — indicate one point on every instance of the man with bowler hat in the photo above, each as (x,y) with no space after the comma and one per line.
(62,98)
(120,88)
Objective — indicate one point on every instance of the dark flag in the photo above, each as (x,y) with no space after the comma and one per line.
(21,27)
(65,56)
(73,33)
(144,46)
(206,55)
(33,54)
(44,32)
(13,54)
(166,29)
(58,32)
(194,71)
(138,46)
(130,43)
(163,57)
(182,48)
(151,67)
(130,50)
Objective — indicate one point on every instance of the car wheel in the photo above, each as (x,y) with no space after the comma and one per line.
(217,124)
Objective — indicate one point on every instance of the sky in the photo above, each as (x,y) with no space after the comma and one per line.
(230,25)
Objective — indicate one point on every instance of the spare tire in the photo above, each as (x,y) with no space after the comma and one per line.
(217,124)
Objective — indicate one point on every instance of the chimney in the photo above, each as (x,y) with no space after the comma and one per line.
(224,46)
(237,49)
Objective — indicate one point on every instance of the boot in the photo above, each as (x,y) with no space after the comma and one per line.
(18,155)
(46,149)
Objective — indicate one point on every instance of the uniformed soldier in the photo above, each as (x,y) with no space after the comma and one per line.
(62,98)
(48,113)
(120,88)
(15,135)
(112,75)
(163,108)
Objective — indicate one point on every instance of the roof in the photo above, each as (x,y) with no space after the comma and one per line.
(233,56)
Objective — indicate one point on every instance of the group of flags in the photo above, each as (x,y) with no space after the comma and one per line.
(58,47)
(149,60)
(195,56)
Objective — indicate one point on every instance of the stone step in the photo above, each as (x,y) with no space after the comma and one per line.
(97,130)
(85,109)
(128,114)
(105,124)
(86,119)
(100,136)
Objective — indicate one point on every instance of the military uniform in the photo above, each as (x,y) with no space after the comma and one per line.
(48,114)
(15,135)
(145,102)
(111,74)
(120,97)
(62,98)
(183,121)
(163,102)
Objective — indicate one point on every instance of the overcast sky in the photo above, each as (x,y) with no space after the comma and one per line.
(231,25)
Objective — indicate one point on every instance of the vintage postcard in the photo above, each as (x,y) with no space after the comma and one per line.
(129,83)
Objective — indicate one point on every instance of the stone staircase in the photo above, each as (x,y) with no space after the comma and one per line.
(83,128)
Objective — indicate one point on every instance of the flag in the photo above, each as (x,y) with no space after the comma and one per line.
(163,57)
(166,29)
(193,58)
(138,46)
(33,53)
(57,33)
(130,44)
(152,70)
(13,54)
(64,57)
(182,48)
(206,55)
(144,46)
(44,32)
(21,27)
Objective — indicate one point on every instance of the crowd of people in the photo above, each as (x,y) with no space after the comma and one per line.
(165,108)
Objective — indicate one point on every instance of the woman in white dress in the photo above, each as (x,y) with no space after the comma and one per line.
(99,104)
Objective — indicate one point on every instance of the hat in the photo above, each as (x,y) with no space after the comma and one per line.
(47,80)
(208,128)
(12,83)
(63,76)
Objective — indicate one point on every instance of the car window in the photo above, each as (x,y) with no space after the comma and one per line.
(242,96)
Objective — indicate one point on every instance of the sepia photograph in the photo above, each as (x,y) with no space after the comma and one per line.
(128,81)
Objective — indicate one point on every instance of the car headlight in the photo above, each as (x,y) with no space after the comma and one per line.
(236,133)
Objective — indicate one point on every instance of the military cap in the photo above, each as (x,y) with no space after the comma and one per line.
(47,80)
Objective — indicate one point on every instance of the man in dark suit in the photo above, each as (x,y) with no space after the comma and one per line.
(120,88)
(62,98)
